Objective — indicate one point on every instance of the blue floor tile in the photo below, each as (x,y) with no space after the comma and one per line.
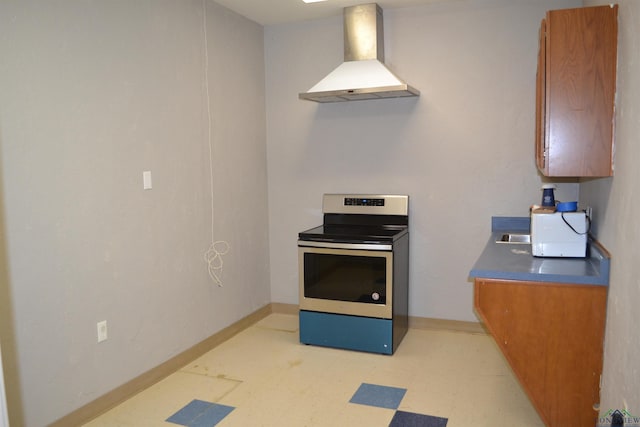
(190,412)
(212,416)
(199,413)
(377,395)
(408,419)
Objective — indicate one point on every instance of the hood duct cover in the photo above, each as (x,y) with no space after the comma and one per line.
(363,74)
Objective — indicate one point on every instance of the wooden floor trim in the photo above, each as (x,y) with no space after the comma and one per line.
(113,398)
(414,322)
(282,308)
(446,325)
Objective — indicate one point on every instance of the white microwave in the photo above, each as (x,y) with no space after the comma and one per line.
(559,234)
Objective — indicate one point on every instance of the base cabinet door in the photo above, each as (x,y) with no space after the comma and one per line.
(552,336)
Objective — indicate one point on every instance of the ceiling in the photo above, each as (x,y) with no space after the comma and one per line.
(271,12)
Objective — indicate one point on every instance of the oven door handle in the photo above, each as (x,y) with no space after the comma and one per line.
(334,245)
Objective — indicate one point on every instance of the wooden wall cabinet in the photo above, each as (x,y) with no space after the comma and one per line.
(552,336)
(575,90)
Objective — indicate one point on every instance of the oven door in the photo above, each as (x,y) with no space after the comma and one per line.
(347,281)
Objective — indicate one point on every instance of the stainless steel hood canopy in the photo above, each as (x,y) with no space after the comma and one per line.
(363,74)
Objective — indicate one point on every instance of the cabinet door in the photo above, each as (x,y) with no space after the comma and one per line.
(577,106)
(511,316)
(552,336)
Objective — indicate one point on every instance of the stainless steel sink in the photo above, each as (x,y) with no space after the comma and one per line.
(518,238)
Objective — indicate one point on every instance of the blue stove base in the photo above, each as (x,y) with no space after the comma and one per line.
(346,332)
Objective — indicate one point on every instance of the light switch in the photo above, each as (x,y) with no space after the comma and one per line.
(102,331)
(146,180)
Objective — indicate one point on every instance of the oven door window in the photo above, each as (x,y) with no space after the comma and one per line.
(346,277)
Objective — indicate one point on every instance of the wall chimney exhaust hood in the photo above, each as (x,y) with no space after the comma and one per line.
(363,74)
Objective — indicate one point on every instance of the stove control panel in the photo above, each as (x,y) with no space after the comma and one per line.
(357,201)
(365,204)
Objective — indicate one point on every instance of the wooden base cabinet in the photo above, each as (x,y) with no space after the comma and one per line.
(575,89)
(552,336)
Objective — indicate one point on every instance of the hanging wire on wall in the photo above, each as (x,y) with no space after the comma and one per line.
(218,248)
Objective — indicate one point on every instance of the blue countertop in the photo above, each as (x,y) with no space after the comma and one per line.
(514,261)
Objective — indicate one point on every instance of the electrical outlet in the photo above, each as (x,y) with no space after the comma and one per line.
(589,212)
(102,331)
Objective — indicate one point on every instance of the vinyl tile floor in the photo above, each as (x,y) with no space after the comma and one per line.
(264,377)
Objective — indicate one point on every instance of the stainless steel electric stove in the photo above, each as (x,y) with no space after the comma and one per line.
(354,273)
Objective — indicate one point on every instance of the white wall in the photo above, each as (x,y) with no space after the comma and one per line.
(93,94)
(616,203)
(463,150)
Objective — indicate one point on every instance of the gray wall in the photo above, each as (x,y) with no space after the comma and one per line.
(463,150)
(93,94)
(616,202)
